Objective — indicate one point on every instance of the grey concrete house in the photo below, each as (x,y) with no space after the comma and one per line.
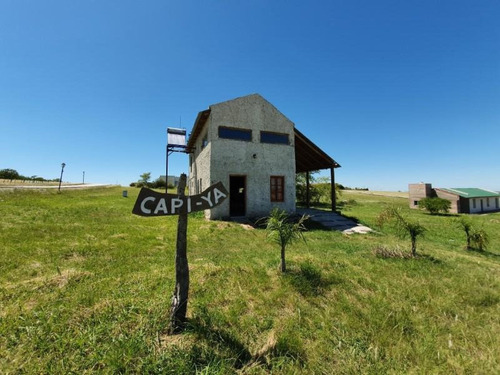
(463,200)
(172,180)
(255,151)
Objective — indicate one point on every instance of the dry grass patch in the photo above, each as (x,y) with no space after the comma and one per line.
(386,252)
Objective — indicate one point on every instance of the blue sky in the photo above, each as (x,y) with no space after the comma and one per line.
(395,91)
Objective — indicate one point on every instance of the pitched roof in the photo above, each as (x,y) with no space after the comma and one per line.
(309,157)
(471,192)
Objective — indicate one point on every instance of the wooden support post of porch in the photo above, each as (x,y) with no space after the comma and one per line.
(308,203)
(332,182)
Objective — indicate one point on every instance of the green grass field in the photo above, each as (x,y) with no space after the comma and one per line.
(85,287)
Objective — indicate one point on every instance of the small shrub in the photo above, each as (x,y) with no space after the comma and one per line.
(158,184)
(435,205)
(465,224)
(403,226)
(480,239)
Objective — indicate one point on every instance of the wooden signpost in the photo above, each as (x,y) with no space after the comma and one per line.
(152,203)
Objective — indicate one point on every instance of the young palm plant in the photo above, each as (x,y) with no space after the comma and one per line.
(465,224)
(480,239)
(403,226)
(283,231)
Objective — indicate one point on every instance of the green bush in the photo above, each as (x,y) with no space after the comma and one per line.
(480,239)
(435,205)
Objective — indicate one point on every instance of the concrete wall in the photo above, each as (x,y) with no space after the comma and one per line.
(454,199)
(257,161)
(417,192)
(483,204)
(199,167)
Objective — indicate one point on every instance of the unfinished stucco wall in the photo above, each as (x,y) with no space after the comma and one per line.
(199,168)
(454,200)
(257,161)
(417,192)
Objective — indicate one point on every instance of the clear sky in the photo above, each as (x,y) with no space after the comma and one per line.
(395,91)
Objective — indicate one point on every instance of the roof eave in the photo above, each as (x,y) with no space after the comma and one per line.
(199,123)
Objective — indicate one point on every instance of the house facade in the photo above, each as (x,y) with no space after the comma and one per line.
(463,200)
(248,145)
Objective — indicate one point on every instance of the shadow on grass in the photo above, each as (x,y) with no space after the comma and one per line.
(442,215)
(219,339)
(484,253)
(309,280)
(217,345)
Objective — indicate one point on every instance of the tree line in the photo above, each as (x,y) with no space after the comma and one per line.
(12,174)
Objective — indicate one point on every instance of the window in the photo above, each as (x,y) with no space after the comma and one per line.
(268,137)
(415,203)
(473,202)
(277,188)
(496,201)
(204,142)
(487,202)
(233,133)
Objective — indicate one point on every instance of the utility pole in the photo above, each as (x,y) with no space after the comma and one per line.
(60,180)
(83,183)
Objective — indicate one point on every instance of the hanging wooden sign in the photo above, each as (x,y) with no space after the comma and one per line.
(152,203)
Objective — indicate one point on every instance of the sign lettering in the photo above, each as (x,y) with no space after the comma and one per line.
(152,203)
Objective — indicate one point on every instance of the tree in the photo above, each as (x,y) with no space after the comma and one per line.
(282,230)
(301,187)
(9,174)
(466,225)
(145,177)
(404,227)
(435,205)
(319,188)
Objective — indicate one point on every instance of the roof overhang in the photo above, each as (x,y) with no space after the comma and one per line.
(199,123)
(309,157)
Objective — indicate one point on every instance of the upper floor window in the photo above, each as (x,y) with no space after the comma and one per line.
(204,142)
(235,133)
(269,137)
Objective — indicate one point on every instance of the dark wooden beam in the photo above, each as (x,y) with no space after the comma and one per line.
(332,182)
(308,203)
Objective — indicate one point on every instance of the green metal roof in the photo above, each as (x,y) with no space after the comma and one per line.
(471,192)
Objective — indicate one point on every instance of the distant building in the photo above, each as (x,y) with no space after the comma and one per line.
(255,151)
(463,200)
(172,180)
